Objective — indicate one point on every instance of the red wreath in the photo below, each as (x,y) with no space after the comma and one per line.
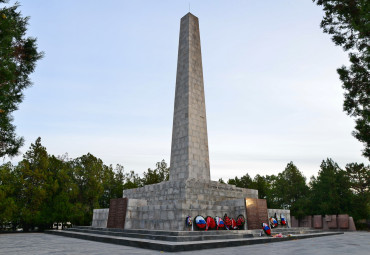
(211,224)
(227,221)
(233,224)
(240,221)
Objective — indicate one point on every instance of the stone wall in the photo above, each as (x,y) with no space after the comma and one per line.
(171,216)
(100,218)
(327,222)
(166,205)
(206,192)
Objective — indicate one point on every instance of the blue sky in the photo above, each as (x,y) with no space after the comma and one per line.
(106,84)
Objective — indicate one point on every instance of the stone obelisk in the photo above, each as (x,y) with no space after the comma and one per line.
(189,151)
(189,192)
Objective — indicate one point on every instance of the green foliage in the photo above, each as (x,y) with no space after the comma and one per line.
(160,174)
(359,177)
(348,23)
(330,192)
(33,176)
(88,172)
(333,191)
(8,207)
(43,189)
(263,185)
(221,181)
(18,57)
(244,182)
(289,187)
(132,181)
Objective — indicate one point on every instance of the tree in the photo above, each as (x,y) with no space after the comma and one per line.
(32,185)
(359,176)
(18,57)
(330,191)
(112,182)
(88,173)
(290,189)
(132,180)
(221,181)
(348,23)
(119,180)
(244,182)
(58,206)
(8,206)
(160,174)
(261,184)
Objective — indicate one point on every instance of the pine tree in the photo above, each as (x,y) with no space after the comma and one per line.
(348,23)
(18,57)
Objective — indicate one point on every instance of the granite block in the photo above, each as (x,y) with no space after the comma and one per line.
(351,224)
(332,221)
(317,221)
(343,221)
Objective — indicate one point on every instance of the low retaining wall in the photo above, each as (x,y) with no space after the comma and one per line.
(327,222)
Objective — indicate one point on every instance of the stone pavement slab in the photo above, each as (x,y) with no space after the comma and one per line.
(39,243)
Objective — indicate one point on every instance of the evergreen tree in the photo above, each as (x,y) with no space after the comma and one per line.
(58,207)
(87,175)
(31,191)
(289,188)
(132,180)
(18,57)
(119,180)
(331,192)
(160,174)
(261,184)
(8,206)
(348,23)
(359,176)
(244,182)
(221,181)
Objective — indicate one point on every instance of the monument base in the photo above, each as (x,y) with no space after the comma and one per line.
(165,206)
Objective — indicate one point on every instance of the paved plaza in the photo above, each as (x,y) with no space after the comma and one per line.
(38,243)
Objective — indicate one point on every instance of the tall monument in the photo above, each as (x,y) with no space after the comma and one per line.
(189,151)
(189,192)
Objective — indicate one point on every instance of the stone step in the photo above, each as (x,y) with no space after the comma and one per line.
(180,246)
(182,236)
(196,236)
(200,233)
(290,232)
(168,232)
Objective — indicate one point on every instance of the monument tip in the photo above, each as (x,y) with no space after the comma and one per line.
(189,14)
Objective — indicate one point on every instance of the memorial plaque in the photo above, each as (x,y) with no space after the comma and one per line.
(256,212)
(343,221)
(295,222)
(333,222)
(317,221)
(306,222)
(117,213)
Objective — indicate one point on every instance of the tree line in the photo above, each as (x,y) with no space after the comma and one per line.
(333,191)
(43,189)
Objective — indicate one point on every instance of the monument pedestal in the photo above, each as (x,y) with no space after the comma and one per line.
(165,206)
